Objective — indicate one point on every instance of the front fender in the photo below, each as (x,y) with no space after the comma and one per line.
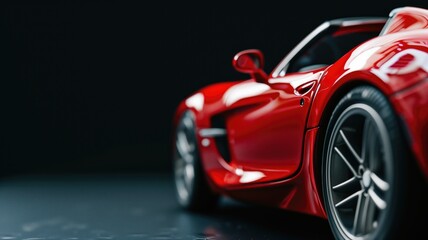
(204,102)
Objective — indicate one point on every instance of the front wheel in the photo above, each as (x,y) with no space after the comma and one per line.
(364,170)
(192,189)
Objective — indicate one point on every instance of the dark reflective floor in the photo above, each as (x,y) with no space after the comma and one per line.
(133,207)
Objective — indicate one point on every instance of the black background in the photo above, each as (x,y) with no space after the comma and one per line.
(93,85)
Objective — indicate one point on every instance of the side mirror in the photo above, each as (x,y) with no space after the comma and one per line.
(252,62)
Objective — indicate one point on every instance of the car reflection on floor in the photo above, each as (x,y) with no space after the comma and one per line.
(133,207)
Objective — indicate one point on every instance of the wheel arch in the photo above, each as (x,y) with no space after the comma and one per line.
(322,125)
(411,174)
(324,120)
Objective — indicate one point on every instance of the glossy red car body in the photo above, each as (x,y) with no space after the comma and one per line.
(275,128)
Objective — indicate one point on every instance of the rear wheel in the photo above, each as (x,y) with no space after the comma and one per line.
(364,170)
(192,189)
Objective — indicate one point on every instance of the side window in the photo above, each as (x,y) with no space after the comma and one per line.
(327,50)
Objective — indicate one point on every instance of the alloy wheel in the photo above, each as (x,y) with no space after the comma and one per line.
(359,171)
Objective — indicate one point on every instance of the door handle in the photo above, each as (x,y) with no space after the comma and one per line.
(304,88)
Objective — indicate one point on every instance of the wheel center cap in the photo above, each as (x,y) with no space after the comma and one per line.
(366,178)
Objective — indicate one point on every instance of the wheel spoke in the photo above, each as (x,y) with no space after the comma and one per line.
(369,215)
(349,198)
(343,184)
(357,217)
(361,218)
(188,175)
(346,162)
(381,184)
(188,123)
(350,147)
(182,144)
(184,141)
(183,154)
(381,204)
(183,147)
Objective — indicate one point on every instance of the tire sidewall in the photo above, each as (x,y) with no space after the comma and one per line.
(186,203)
(200,195)
(375,99)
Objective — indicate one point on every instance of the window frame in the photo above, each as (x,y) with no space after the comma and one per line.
(324,29)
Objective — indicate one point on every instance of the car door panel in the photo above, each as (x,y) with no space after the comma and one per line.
(268,136)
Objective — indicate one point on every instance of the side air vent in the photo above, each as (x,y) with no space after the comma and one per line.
(218,125)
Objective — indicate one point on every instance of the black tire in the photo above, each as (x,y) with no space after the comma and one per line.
(192,189)
(364,189)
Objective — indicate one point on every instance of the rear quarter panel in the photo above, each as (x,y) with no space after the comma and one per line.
(392,63)
(372,63)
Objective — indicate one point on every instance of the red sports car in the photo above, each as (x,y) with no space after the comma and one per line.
(339,129)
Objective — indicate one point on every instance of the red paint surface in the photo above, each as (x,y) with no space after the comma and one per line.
(272,136)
